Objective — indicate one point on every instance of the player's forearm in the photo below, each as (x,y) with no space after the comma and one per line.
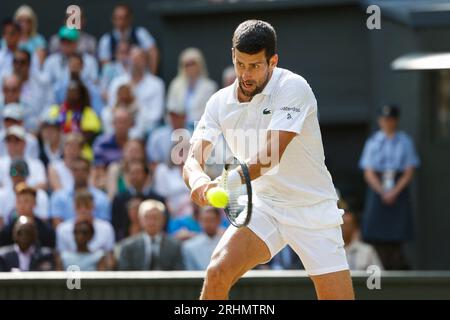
(193,174)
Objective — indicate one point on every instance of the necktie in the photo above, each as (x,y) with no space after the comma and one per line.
(154,258)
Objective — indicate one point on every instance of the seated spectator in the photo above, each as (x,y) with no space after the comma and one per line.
(86,42)
(13,116)
(76,115)
(103,238)
(151,249)
(108,147)
(148,89)
(60,171)
(137,174)
(35,90)
(228,76)
(19,171)
(30,39)
(25,205)
(62,201)
(134,227)
(11,33)
(50,139)
(84,258)
(191,89)
(122,19)
(197,251)
(75,64)
(360,255)
(10,93)
(116,178)
(15,145)
(125,100)
(56,66)
(26,254)
(116,68)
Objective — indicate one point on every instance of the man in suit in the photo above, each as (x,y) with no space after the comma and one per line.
(25,254)
(152,249)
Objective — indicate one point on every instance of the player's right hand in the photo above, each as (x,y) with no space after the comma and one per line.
(198,195)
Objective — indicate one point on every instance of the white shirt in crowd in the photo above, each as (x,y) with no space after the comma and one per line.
(35,167)
(149,93)
(361,255)
(56,68)
(145,40)
(287,103)
(103,238)
(8,204)
(197,251)
(64,173)
(24,257)
(31,145)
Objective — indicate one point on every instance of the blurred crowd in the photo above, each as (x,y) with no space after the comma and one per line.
(87,175)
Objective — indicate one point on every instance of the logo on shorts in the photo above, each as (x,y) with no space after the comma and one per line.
(266,111)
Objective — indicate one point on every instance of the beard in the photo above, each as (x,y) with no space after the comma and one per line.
(259,87)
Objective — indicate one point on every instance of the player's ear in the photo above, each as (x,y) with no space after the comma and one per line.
(273,61)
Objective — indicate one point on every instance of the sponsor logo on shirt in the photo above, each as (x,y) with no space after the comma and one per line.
(291,109)
(266,111)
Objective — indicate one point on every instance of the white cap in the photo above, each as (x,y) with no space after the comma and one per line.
(13,111)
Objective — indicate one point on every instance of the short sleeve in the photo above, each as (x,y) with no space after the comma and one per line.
(208,128)
(364,161)
(145,39)
(293,103)
(411,158)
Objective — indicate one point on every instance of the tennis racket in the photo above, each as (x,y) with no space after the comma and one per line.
(239,207)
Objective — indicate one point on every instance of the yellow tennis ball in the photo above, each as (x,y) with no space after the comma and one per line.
(217,197)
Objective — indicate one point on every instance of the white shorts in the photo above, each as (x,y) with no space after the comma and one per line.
(313,232)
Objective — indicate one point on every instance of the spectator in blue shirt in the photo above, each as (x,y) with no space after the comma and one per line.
(61,202)
(389,160)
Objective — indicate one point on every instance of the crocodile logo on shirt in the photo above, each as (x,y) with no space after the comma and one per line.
(266,111)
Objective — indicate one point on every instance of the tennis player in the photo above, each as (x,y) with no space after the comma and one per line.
(294,200)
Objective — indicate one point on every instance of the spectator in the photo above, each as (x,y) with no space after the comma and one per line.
(116,68)
(19,173)
(359,254)
(191,89)
(116,179)
(10,90)
(198,250)
(13,116)
(122,19)
(76,115)
(56,65)
(60,171)
(127,100)
(148,89)
(62,201)
(35,93)
(86,43)
(388,160)
(50,139)
(108,147)
(30,39)
(11,35)
(15,144)
(134,227)
(84,258)
(75,64)
(26,254)
(228,76)
(151,249)
(103,237)
(137,174)
(25,206)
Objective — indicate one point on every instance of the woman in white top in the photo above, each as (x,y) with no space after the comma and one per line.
(191,88)
(59,171)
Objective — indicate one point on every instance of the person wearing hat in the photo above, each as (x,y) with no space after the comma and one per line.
(19,172)
(13,115)
(25,201)
(56,65)
(389,160)
(50,138)
(15,139)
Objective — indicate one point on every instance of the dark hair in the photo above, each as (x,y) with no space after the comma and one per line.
(76,82)
(125,6)
(11,22)
(252,36)
(128,165)
(25,52)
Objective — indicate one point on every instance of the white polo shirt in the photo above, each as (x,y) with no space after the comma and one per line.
(287,103)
